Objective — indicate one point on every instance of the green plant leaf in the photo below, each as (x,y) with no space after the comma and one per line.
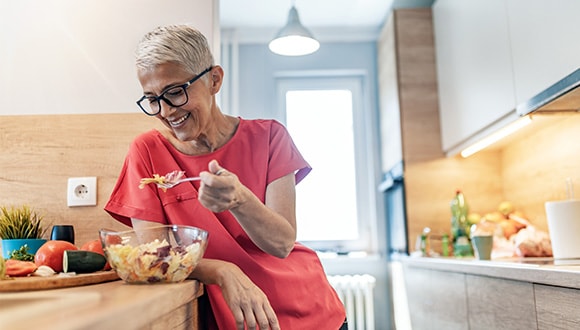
(20,222)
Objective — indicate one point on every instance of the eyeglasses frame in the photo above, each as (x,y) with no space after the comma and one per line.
(162,95)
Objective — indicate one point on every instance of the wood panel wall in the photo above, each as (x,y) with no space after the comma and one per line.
(417,80)
(536,166)
(39,153)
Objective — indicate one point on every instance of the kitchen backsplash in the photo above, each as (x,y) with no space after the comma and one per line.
(528,171)
(39,153)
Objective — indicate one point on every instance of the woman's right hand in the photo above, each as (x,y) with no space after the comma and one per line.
(246,300)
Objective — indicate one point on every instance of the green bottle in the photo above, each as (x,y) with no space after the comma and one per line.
(445,245)
(459,226)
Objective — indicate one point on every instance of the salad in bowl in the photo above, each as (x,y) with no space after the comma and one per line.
(160,254)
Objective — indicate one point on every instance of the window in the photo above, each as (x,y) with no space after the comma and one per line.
(335,203)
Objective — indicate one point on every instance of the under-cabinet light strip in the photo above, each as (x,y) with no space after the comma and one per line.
(493,138)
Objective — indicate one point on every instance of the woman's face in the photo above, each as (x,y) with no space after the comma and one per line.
(188,120)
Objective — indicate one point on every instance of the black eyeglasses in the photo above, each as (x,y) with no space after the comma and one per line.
(175,96)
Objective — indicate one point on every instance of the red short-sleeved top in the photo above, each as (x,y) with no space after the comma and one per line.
(260,152)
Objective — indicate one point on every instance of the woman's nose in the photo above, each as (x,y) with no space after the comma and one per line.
(165,108)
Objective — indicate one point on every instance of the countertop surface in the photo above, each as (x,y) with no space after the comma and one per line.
(564,273)
(112,305)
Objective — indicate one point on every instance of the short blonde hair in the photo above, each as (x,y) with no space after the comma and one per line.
(180,44)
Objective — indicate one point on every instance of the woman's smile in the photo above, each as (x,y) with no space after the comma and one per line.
(177,122)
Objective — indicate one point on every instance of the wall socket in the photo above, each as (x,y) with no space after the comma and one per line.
(82,191)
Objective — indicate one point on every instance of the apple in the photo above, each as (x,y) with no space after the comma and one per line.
(506,208)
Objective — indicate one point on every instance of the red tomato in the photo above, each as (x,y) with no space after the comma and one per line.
(51,254)
(95,246)
(112,239)
(19,268)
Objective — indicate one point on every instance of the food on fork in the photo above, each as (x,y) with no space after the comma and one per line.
(160,180)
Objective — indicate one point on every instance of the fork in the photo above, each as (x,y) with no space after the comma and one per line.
(167,185)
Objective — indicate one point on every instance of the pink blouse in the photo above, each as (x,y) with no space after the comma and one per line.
(260,152)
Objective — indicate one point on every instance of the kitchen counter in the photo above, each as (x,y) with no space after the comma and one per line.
(564,273)
(465,293)
(112,305)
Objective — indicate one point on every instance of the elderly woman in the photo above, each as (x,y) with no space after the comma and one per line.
(256,274)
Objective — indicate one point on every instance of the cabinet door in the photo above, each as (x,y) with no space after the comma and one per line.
(436,299)
(474,66)
(544,37)
(557,307)
(495,303)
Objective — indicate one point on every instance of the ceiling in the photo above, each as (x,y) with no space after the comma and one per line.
(328,20)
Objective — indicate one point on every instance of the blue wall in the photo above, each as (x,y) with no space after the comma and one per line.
(258,67)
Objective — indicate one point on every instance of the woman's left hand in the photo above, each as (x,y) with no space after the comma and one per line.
(248,303)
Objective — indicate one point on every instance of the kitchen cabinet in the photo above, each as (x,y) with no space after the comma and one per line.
(499,294)
(407,80)
(557,307)
(454,300)
(494,55)
(474,68)
(437,299)
(544,43)
(495,303)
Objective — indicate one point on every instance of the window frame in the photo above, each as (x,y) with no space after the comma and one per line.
(366,151)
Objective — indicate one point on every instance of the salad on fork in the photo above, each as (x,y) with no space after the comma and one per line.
(166,181)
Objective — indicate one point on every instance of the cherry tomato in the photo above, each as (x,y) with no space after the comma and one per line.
(19,268)
(51,254)
(95,246)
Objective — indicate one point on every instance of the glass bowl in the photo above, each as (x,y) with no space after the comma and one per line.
(160,254)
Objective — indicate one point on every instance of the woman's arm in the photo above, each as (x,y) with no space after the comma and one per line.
(247,301)
(271,226)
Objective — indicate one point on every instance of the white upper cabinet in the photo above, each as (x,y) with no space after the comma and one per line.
(474,67)
(545,39)
(493,55)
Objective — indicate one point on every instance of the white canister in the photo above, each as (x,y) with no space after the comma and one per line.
(564,227)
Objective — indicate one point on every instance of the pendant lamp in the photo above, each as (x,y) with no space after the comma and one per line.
(294,39)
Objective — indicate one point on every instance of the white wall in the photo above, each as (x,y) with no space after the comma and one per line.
(72,56)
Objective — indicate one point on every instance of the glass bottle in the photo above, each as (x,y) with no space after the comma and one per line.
(445,245)
(459,223)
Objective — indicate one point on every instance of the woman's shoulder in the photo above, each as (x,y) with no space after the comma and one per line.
(267,125)
(147,139)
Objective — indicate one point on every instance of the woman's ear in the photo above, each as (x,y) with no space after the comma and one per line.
(216,78)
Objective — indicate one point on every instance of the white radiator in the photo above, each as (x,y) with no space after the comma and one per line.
(356,293)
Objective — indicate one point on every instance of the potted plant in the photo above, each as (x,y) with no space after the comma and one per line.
(21,231)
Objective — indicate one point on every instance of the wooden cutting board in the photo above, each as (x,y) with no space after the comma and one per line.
(29,283)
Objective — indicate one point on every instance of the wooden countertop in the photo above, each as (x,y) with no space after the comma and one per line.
(564,274)
(112,305)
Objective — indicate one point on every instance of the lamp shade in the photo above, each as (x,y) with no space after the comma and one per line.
(294,39)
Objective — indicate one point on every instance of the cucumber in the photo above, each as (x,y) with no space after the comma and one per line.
(79,261)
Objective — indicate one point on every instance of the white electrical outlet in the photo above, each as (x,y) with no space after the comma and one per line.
(82,191)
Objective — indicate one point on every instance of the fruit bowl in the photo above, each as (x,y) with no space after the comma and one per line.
(160,254)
